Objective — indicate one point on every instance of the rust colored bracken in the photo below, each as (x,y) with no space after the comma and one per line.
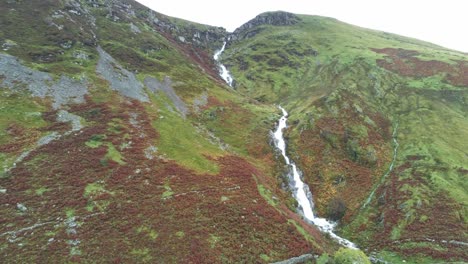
(405,63)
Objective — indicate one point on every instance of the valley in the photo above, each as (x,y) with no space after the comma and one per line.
(129,136)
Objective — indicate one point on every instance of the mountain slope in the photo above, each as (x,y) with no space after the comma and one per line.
(120,142)
(378,127)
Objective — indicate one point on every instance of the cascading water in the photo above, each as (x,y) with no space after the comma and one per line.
(223,72)
(301,191)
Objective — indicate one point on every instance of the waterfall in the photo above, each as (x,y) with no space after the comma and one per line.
(223,72)
(301,191)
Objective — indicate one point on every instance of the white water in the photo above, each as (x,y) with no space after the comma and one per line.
(223,72)
(301,191)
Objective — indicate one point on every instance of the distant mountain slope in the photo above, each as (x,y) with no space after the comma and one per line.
(356,97)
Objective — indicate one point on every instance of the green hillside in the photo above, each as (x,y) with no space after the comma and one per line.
(355,97)
(119,142)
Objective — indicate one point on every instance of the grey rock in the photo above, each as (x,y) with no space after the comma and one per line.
(3,191)
(67,44)
(21,207)
(66,91)
(208,37)
(56,15)
(42,141)
(134,120)
(64,116)
(8,44)
(135,29)
(47,139)
(71,222)
(74,242)
(212,138)
(166,86)
(80,55)
(41,84)
(278,18)
(75,12)
(297,260)
(150,152)
(200,101)
(120,79)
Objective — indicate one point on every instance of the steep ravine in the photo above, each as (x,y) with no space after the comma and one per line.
(301,190)
(223,71)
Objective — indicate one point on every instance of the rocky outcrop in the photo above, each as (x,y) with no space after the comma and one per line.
(16,77)
(201,36)
(166,87)
(279,18)
(120,79)
(129,11)
(297,260)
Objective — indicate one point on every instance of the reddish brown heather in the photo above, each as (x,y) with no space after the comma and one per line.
(148,210)
(21,138)
(404,63)
(200,57)
(433,234)
(327,166)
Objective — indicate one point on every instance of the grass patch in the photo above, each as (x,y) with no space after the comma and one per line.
(267,194)
(143,255)
(304,233)
(152,234)
(96,141)
(180,141)
(265,257)
(393,257)
(213,240)
(21,109)
(168,190)
(69,212)
(180,234)
(41,191)
(114,154)
(93,189)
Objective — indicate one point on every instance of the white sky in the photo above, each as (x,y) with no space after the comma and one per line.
(443,22)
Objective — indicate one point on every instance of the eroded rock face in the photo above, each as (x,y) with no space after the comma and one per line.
(279,18)
(206,37)
(120,79)
(166,86)
(297,260)
(41,84)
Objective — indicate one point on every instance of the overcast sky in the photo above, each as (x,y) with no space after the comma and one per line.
(442,22)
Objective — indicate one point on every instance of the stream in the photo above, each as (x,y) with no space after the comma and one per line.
(301,191)
(223,71)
